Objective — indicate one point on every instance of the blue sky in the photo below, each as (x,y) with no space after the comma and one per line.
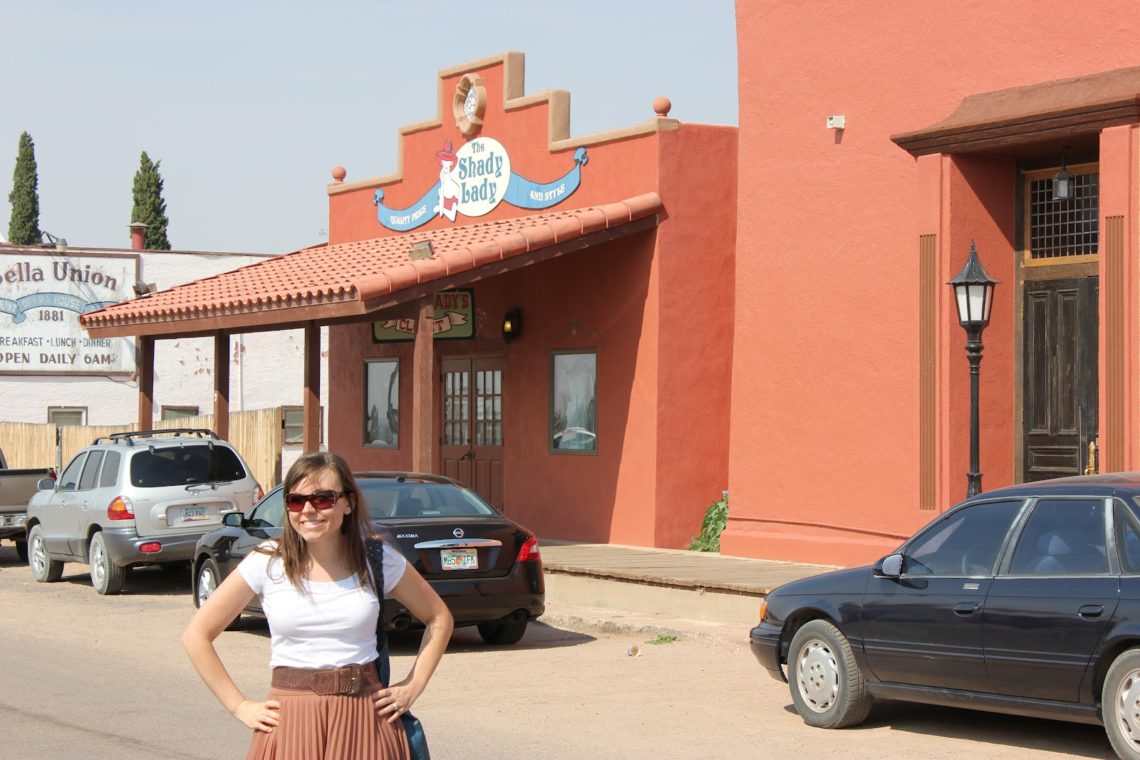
(248,105)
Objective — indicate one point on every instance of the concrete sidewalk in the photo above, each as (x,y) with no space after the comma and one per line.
(610,582)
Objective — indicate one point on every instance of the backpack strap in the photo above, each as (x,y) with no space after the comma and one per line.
(375,549)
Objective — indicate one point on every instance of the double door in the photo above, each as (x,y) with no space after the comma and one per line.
(471,443)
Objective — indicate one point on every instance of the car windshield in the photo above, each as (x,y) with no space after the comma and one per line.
(420,499)
(183,465)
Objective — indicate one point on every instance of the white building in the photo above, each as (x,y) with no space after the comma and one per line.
(52,371)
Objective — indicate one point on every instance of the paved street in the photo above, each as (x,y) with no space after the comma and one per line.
(105,677)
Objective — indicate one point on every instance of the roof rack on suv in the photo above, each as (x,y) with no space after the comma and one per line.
(129,437)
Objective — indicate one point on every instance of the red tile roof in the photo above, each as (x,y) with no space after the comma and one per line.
(333,281)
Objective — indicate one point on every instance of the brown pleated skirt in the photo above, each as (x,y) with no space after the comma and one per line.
(328,727)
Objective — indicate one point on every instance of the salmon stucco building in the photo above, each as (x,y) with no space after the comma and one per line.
(877,144)
(547,318)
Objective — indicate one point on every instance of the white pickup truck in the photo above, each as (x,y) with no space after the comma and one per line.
(16,488)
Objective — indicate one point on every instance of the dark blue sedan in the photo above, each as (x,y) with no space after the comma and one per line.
(1024,600)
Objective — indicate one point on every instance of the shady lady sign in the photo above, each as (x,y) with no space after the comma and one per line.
(473,181)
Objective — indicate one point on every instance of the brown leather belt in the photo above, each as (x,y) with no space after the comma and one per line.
(351,679)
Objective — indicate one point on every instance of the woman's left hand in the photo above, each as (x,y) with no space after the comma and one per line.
(395,700)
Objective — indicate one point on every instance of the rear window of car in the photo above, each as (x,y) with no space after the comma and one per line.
(185,465)
(420,499)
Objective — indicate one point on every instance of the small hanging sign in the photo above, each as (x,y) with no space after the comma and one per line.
(454,319)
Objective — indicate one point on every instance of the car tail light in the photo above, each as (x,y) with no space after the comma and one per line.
(150,548)
(258,495)
(120,509)
(528,552)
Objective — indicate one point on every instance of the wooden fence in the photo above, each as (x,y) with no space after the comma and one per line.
(257,435)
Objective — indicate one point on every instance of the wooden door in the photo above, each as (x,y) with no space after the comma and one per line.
(1060,361)
(471,447)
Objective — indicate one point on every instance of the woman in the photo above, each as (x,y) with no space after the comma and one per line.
(315,587)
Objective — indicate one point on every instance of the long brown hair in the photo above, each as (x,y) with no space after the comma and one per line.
(293,550)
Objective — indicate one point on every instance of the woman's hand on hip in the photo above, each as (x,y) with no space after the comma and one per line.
(260,716)
(396,700)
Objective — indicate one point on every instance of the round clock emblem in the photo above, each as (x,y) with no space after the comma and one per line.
(469,104)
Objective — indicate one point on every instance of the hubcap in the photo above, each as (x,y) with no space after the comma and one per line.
(818,676)
(98,572)
(39,555)
(1128,705)
(206,585)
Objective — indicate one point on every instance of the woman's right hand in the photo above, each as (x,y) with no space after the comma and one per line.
(260,716)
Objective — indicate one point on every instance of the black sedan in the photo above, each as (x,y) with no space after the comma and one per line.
(485,566)
(1024,600)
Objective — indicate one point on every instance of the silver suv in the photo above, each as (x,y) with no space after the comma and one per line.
(131,499)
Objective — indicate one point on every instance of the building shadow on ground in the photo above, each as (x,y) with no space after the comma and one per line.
(1053,737)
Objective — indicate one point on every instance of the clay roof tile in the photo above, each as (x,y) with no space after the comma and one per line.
(363,270)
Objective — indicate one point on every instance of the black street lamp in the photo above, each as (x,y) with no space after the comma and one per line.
(974,292)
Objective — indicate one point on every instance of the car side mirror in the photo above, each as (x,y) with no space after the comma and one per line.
(45,484)
(889,567)
(233,519)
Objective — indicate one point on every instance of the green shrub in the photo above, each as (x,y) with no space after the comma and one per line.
(715,518)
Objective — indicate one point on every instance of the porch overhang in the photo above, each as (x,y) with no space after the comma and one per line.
(348,282)
(1046,113)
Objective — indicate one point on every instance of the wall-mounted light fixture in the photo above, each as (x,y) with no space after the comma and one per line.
(512,325)
(1063,181)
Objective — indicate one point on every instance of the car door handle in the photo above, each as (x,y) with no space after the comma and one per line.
(965,608)
(1091,610)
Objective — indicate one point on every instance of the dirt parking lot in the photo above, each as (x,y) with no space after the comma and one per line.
(105,677)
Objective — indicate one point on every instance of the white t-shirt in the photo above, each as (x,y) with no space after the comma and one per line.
(332,626)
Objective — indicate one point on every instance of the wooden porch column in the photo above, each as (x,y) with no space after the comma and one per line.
(423,386)
(312,394)
(145,370)
(222,384)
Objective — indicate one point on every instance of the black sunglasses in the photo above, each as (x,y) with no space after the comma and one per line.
(295,502)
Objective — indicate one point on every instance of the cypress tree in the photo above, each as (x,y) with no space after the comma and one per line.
(149,206)
(24,224)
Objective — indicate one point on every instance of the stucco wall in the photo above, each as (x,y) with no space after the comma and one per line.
(565,305)
(824,436)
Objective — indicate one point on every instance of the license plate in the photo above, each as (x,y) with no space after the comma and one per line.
(194,514)
(459,559)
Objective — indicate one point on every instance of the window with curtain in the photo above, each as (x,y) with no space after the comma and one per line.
(573,401)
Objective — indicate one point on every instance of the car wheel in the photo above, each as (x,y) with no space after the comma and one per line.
(510,632)
(1120,703)
(22,550)
(207,582)
(827,686)
(106,576)
(44,569)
